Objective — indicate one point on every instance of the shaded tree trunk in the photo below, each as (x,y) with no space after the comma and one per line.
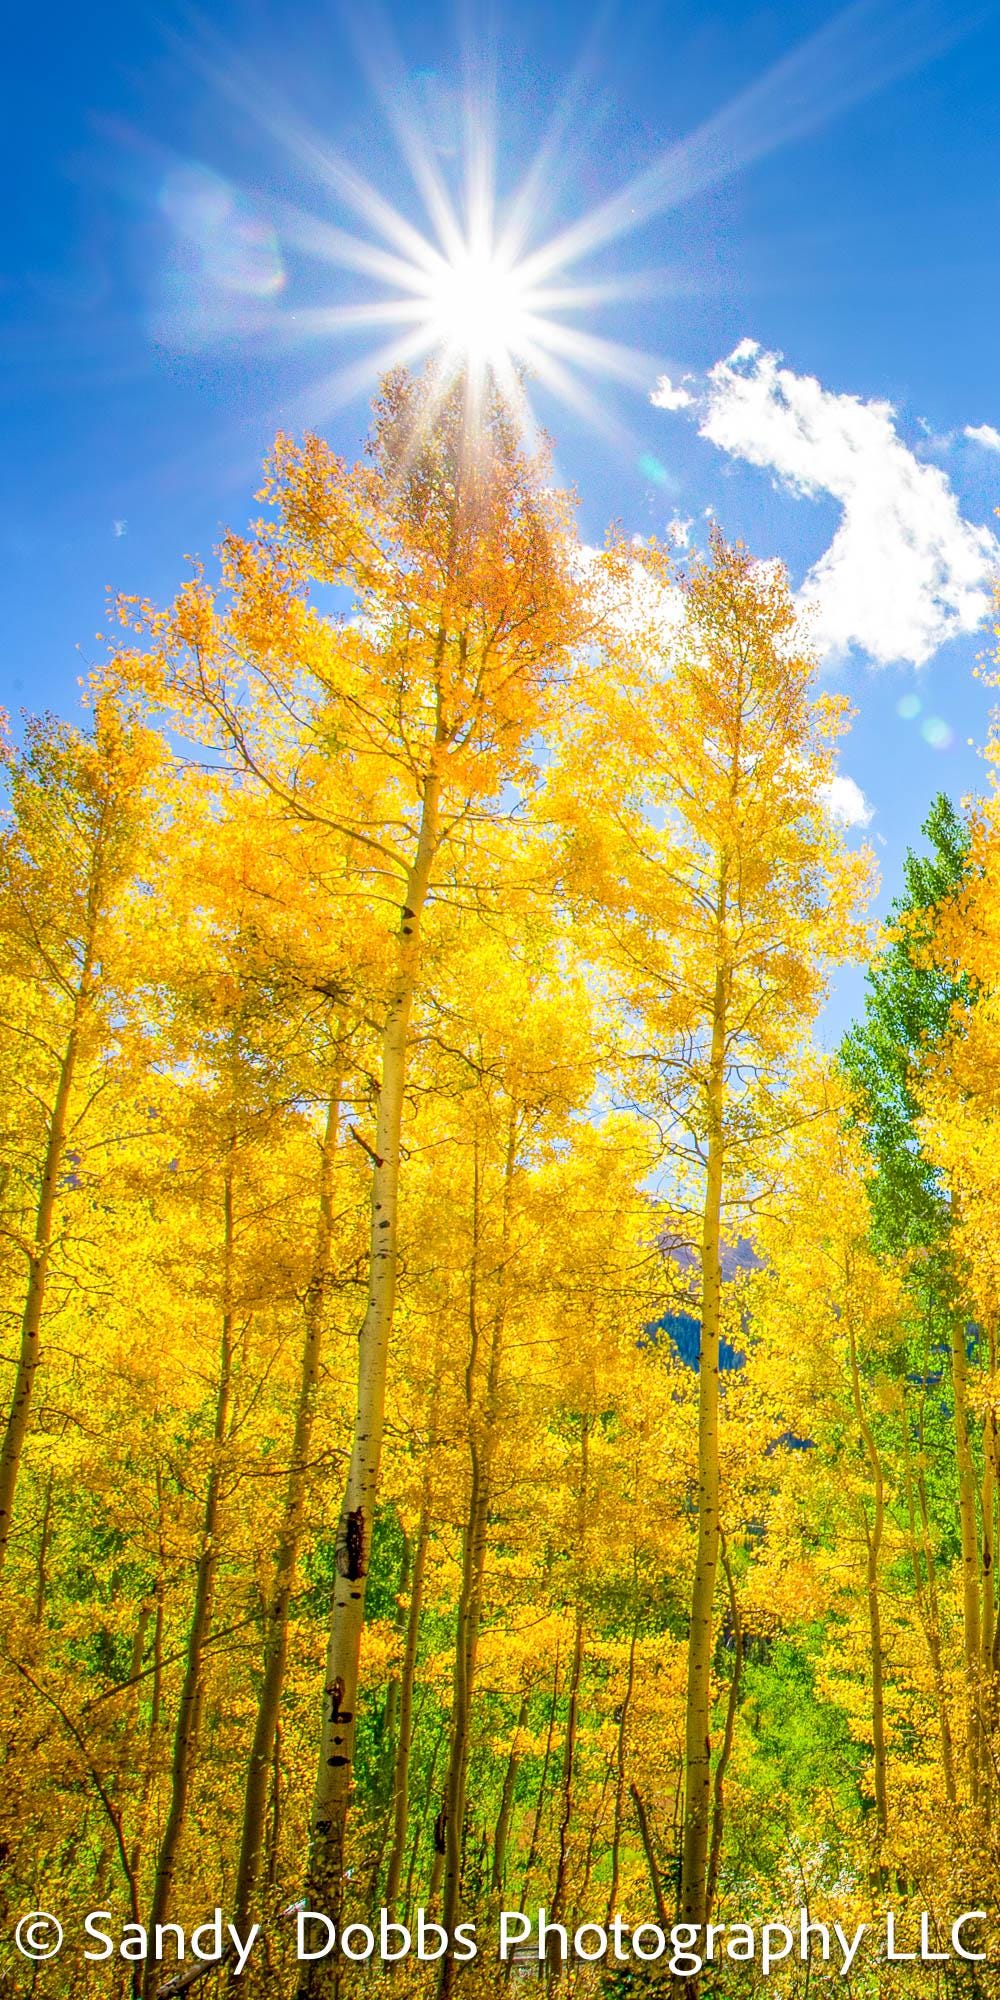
(502,1833)
(543,1781)
(569,1747)
(697,1738)
(725,1752)
(925,1591)
(189,1708)
(970,1550)
(873,1548)
(418,1832)
(404,1740)
(655,1878)
(482,1438)
(621,1761)
(290,1534)
(569,1764)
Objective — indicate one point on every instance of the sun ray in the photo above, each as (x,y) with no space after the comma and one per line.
(323,243)
(341,385)
(576,396)
(858,51)
(600,357)
(466,285)
(378,55)
(457,289)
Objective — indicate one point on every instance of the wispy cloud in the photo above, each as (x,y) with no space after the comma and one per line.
(983,434)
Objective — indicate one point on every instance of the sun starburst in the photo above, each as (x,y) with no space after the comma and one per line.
(475,283)
(467,296)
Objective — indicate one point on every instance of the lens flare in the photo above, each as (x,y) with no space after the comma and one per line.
(938,733)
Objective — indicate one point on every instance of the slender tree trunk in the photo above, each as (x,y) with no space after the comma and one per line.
(925,1591)
(732,1704)
(569,1764)
(189,1708)
(160,1591)
(656,1882)
(987,1510)
(621,1762)
(988,1513)
(404,1740)
(41,1570)
(290,1534)
(389,1724)
(697,1739)
(38,1269)
(384,1790)
(418,1831)
(569,1747)
(502,1833)
(274,1824)
(873,1549)
(325,1874)
(150,1759)
(596,1824)
(466,1624)
(539,1804)
(482,1439)
(970,1549)
(987,1680)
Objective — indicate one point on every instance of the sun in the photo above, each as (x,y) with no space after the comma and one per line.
(507,289)
(479,309)
(464,279)
(466,287)
(469,296)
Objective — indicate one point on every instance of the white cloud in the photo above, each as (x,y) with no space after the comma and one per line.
(670,396)
(679,531)
(905,571)
(983,434)
(119,528)
(845,801)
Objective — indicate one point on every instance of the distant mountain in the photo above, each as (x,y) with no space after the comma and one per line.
(683,1329)
(684,1333)
(736,1257)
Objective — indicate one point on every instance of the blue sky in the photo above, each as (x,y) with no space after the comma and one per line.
(823,205)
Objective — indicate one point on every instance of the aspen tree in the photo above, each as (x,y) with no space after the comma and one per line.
(717,886)
(185,1746)
(917,987)
(408,724)
(527,1070)
(832,1321)
(441,889)
(67,860)
(292,1524)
